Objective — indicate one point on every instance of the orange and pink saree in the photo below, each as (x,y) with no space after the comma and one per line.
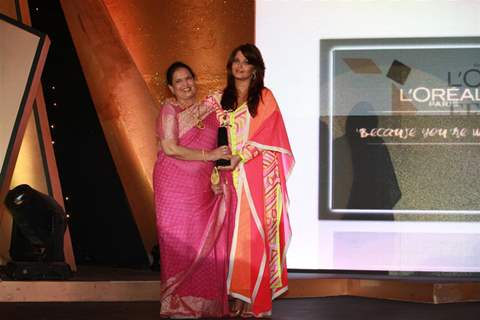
(261,233)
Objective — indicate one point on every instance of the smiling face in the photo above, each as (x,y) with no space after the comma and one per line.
(241,68)
(183,86)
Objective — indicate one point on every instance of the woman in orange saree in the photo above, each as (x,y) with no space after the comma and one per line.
(191,220)
(261,162)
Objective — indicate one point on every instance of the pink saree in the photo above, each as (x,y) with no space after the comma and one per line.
(192,222)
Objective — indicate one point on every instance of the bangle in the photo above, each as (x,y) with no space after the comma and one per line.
(203,155)
(242,157)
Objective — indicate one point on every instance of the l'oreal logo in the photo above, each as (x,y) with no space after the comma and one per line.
(463,88)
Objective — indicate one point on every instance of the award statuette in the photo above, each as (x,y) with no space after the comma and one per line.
(222,140)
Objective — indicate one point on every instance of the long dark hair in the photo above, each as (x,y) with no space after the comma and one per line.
(174,67)
(229,97)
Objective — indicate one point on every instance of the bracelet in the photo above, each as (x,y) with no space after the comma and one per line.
(203,155)
(241,156)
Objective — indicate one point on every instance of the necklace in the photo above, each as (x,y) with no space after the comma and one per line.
(199,124)
(194,111)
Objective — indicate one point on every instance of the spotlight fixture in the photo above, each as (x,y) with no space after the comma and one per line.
(39,225)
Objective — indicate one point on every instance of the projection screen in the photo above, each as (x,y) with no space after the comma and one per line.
(381,103)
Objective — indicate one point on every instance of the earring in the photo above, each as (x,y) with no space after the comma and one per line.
(254,75)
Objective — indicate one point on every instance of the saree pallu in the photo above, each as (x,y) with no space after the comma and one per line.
(192,228)
(261,232)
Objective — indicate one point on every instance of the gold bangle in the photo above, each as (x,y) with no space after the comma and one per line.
(203,155)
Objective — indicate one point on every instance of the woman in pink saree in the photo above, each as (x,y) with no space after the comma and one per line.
(192,221)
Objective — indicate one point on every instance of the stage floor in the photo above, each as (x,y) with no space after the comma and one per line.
(107,284)
(329,308)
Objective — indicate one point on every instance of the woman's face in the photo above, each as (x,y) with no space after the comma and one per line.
(241,69)
(183,85)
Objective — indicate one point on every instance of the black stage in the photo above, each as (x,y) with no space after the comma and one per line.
(338,308)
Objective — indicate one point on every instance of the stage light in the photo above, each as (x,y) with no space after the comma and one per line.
(39,224)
